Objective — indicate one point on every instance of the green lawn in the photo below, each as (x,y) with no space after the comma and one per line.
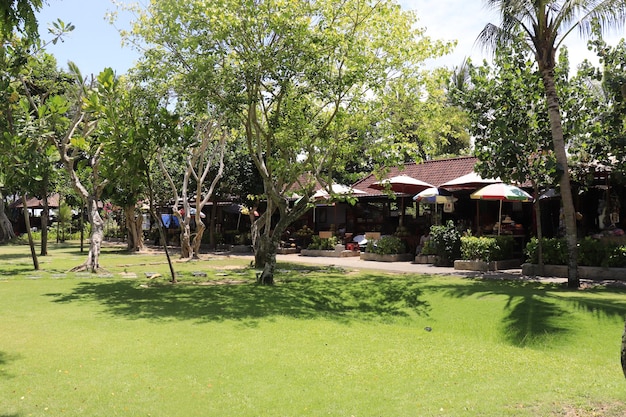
(322,342)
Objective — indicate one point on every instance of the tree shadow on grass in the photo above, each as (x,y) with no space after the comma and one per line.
(333,296)
(5,358)
(535,311)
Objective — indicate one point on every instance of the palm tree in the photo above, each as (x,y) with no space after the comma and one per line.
(545,24)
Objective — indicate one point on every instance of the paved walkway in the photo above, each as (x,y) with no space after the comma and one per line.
(355,262)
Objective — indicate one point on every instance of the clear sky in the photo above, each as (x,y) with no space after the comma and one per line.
(95,43)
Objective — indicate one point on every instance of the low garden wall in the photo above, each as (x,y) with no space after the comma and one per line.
(464,265)
(329,253)
(399,257)
(597,273)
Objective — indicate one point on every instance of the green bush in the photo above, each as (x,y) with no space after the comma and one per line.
(446,243)
(591,252)
(486,248)
(318,243)
(554,251)
(386,245)
(617,257)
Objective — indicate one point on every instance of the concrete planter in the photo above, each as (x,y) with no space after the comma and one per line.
(400,257)
(597,273)
(328,253)
(425,259)
(286,251)
(464,265)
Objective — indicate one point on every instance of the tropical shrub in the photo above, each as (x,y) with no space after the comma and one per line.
(445,241)
(318,243)
(386,245)
(487,248)
(591,252)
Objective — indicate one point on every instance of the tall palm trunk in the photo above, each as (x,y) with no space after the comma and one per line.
(569,212)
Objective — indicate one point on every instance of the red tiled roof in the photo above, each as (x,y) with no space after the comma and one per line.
(434,172)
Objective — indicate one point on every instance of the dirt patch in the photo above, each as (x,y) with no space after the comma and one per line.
(594,410)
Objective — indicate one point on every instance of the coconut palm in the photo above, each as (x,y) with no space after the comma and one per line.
(545,24)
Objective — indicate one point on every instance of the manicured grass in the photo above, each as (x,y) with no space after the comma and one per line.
(320,342)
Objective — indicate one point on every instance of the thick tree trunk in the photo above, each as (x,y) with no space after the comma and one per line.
(96,238)
(134,232)
(265,259)
(266,238)
(186,251)
(31,242)
(564,181)
(197,240)
(6,228)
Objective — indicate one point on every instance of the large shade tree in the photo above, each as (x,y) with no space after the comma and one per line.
(546,23)
(297,76)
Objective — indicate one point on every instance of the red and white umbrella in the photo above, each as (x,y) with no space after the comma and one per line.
(402,184)
(468,182)
(501,192)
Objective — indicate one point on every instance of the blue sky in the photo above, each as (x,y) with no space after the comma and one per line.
(96,44)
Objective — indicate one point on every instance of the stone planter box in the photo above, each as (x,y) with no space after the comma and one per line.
(286,251)
(464,265)
(425,259)
(328,253)
(400,257)
(597,273)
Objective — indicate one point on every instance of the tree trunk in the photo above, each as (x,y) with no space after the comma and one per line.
(134,231)
(186,251)
(6,228)
(265,259)
(197,240)
(96,237)
(624,351)
(266,238)
(31,242)
(564,181)
(45,216)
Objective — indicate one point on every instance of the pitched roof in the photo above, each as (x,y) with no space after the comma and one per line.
(434,172)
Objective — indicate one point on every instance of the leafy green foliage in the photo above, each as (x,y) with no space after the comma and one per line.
(487,248)
(318,243)
(386,245)
(591,252)
(445,242)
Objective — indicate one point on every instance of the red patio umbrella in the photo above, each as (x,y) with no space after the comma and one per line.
(402,184)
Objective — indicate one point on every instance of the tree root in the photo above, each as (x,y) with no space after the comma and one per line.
(83,268)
